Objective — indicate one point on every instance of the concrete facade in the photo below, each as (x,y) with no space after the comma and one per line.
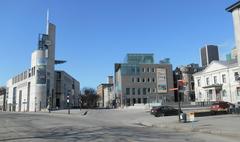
(218,82)
(140,81)
(2,98)
(65,86)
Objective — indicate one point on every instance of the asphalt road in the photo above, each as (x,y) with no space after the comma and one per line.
(23,127)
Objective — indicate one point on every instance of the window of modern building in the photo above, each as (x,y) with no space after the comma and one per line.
(144,91)
(133,91)
(127,91)
(153,70)
(207,80)
(132,70)
(224,78)
(215,79)
(138,79)
(139,100)
(224,93)
(139,91)
(138,70)
(199,83)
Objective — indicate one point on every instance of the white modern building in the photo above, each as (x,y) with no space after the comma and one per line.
(219,81)
(36,88)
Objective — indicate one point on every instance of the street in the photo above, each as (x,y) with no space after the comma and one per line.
(62,127)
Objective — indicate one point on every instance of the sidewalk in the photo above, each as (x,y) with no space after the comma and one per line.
(225,125)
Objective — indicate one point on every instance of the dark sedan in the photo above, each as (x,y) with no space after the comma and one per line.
(164,111)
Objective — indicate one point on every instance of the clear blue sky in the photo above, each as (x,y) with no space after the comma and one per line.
(92,35)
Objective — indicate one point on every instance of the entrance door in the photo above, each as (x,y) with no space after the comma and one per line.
(218,95)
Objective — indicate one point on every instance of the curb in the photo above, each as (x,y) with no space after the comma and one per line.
(188,129)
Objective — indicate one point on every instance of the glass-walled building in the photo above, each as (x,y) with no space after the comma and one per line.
(140,81)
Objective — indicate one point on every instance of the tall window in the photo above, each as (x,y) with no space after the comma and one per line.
(224,93)
(132,79)
(127,91)
(207,80)
(148,70)
(133,91)
(224,78)
(199,83)
(215,79)
(153,79)
(143,70)
(144,91)
(238,91)
(152,69)
(138,79)
(139,91)
(143,79)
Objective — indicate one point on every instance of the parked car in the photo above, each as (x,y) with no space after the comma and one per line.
(154,110)
(165,111)
(220,106)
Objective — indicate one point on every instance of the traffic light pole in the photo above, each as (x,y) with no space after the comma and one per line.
(179,105)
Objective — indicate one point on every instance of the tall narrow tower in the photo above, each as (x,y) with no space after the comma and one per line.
(235,10)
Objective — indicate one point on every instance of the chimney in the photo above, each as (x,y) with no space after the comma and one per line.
(110,79)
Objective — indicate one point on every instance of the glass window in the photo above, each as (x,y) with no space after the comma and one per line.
(199,82)
(139,91)
(127,91)
(207,81)
(148,80)
(153,79)
(144,91)
(143,79)
(133,91)
(153,70)
(149,90)
(143,70)
(139,100)
(148,70)
(224,93)
(138,79)
(238,91)
(153,90)
(224,78)
(215,79)
(132,79)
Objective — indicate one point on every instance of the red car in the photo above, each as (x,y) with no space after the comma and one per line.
(220,107)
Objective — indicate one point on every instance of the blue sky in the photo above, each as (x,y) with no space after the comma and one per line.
(92,35)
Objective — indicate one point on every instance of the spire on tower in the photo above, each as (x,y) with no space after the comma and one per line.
(47,21)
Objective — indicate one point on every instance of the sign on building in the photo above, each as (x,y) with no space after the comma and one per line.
(161,80)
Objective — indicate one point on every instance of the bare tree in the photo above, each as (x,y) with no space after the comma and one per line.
(89,98)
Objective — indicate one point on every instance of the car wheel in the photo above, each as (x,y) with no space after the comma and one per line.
(162,114)
(157,115)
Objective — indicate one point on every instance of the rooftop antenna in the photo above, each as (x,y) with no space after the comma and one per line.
(47,21)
